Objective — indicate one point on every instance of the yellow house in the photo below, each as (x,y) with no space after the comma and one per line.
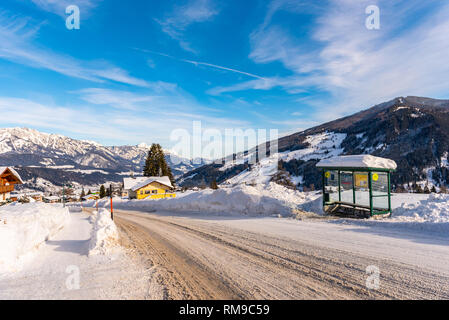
(152,188)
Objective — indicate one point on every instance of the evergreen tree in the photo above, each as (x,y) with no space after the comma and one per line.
(213,184)
(83,194)
(419,189)
(102,191)
(156,165)
(433,190)
(89,192)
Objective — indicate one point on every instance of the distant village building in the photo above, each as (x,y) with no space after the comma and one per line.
(52,199)
(92,196)
(8,179)
(36,196)
(149,187)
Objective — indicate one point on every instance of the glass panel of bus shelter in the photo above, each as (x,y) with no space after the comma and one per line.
(331,184)
(361,188)
(379,185)
(346,186)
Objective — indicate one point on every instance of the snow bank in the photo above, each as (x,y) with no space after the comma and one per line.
(23,227)
(104,236)
(272,199)
(434,208)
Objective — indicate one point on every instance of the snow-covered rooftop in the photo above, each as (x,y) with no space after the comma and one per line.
(139,182)
(129,183)
(358,161)
(14,172)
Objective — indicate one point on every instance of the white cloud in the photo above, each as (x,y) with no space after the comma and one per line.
(110,126)
(355,67)
(58,6)
(176,24)
(16,37)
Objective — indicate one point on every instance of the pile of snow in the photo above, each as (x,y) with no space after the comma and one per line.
(23,227)
(105,235)
(434,209)
(272,199)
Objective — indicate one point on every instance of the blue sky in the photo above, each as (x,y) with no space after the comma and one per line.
(135,71)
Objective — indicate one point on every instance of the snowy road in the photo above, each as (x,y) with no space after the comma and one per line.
(52,273)
(213,257)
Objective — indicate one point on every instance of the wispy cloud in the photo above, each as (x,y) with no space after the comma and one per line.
(112,125)
(355,67)
(16,45)
(58,6)
(176,23)
(204,64)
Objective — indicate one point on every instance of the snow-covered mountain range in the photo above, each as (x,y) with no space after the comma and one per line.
(56,159)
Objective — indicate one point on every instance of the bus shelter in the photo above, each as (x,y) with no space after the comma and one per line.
(357,185)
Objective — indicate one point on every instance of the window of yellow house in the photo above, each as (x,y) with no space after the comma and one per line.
(154,191)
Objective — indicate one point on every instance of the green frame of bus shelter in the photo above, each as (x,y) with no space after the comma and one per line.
(372,210)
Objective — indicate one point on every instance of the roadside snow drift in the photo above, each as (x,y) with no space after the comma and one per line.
(272,199)
(434,208)
(23,227)
(104,233)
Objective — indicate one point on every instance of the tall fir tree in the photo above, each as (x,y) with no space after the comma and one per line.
(102,191)
(156,165)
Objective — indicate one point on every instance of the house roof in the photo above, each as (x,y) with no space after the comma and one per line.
(14,172)
(129,183)
(358,161)
(90,196)
(52,198)
(162,180)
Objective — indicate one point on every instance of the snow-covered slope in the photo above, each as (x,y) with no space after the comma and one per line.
(412,131)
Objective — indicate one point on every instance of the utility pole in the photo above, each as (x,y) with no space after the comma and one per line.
(110,195)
